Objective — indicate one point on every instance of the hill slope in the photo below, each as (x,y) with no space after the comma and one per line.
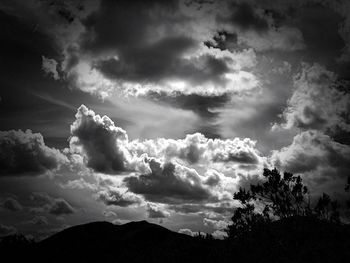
(131,242)
(290,240)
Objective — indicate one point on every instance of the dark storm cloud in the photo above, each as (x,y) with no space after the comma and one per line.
(121,25)
(44,104)
(202,105)
(225,40)
(320,27)
(245,157)
(135,54)
(150,62)
(11,204)
(167,185)
(246,18)
(25,153)
(158,63)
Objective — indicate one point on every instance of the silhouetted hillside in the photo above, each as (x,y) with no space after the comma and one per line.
(131,242)
(296,239)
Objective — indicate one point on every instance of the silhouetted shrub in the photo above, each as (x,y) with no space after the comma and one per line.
(277,198)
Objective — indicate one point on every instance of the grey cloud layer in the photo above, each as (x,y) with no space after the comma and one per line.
(25,153)
(45,203)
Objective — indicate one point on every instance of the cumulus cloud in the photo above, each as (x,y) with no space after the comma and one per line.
(11,204)
(106,147)
(42,202)
(317,156)
(117,197)
(25,153)
(155,211)
(169,183)
(318,101)
(101,142)
(194,169)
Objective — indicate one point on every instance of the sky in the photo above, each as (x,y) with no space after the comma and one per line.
(160,110)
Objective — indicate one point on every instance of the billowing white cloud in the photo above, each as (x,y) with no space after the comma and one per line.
(195,169)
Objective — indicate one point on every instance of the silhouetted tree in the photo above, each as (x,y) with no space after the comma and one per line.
(278,197)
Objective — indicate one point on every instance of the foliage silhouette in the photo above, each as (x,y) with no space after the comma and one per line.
(279,197)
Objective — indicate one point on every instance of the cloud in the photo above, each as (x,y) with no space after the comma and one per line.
(318,102)
(169,183)
(106,147)
(78,184)
(187,231)
(216,224)
(42,202)
(317,156)
(225,207)
(253,25)
(11,204)
(117,197)
(49,66)
(155,211)
(109,214)
(25,153)
(38,221)
(219,234)
(246,18)
(194,169)
(160,52)
(101,142)
(60,207)
(7,230)
(283,38)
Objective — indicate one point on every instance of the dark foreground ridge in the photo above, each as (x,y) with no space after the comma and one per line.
(291,240)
